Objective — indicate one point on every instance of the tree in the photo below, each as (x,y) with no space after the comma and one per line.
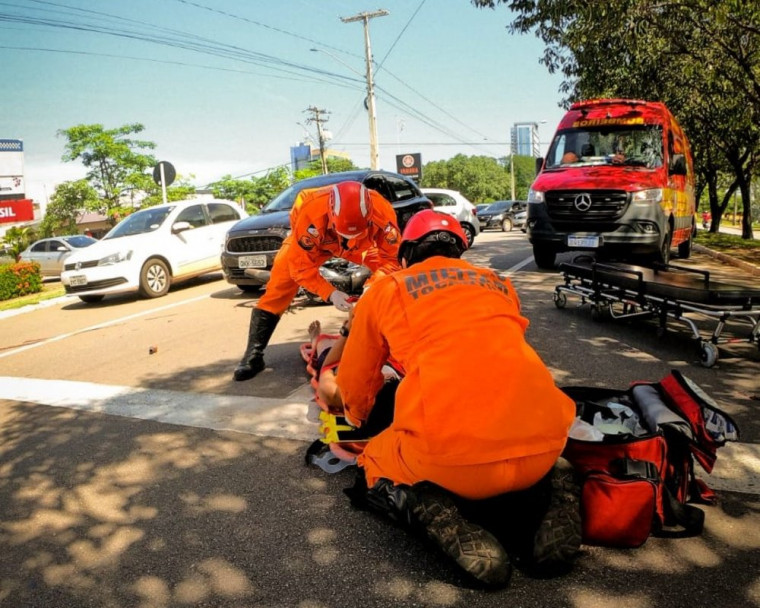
(115,162)
(66,205)
(479,178)
(253,192)
(18,238)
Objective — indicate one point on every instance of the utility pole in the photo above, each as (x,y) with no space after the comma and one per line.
(365,17)
(316,117)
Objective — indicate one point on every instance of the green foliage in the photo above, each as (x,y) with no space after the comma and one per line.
(68,202)
(721,241)
(481,179)
(17,239)
(180,190)
(19,279)
(116,163)
(254,192)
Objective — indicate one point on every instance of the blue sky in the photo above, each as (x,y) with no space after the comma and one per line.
(221,85)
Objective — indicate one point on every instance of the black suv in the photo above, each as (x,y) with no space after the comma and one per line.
(252,243)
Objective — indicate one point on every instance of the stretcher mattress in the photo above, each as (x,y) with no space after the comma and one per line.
(672,283)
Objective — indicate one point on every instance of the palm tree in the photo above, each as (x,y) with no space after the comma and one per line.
(18,239)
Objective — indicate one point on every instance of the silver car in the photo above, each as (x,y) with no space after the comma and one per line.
(456,204)
(51,253)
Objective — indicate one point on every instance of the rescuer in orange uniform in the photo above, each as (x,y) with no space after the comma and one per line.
(450,325)
(345,220)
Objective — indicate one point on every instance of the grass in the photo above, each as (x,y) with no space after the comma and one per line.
(49,291)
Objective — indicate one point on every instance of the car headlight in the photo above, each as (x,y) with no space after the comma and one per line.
(535,196)
(648,196)
(115,258)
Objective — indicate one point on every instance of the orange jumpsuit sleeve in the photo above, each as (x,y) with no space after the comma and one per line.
(307,253)
(360,374)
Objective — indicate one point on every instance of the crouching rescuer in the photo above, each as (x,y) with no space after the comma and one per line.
(345,220)
(477,473)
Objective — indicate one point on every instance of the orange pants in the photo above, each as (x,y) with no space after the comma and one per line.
(384,456)
(281,288)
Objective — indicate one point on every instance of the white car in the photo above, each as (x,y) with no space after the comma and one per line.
(153,248)
(454,203)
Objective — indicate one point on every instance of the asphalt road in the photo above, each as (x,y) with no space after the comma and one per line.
(136,479)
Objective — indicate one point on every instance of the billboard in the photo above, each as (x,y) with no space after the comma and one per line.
(16,211)
(409,165)
(11,169)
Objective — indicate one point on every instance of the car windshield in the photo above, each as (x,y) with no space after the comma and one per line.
(283,201)
(622,144)
(140,222)
(497,207)
(81,241)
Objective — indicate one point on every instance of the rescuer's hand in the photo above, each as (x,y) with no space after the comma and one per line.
(340,301)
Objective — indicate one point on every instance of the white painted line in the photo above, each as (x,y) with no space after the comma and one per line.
(517,266)
(737,468)
(285,418)
(99,326)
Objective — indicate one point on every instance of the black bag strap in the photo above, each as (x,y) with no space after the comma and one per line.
(689,517)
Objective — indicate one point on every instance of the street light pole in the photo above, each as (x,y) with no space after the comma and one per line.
(373,145)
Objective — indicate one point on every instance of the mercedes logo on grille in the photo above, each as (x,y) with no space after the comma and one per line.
(582,202)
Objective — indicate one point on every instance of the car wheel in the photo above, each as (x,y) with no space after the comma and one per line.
(506,225)
(91,299)
(469,233)
(155,279)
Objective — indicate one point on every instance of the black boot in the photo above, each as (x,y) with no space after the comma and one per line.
(557,538)
(261,328)
(431,510)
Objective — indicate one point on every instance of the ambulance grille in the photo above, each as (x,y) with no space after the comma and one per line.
(605,204)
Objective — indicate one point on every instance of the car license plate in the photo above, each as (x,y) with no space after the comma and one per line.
(252,261)
(78,280)
(582,241)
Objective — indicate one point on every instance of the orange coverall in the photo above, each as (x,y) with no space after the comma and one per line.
(312,242)
(478,412)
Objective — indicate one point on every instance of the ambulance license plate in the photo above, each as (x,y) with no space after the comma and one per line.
(583,241)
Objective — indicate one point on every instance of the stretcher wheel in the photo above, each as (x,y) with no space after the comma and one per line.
(560,299)
(708,354)
(599,312)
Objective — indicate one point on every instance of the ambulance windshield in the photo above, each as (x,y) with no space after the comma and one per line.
(623,145)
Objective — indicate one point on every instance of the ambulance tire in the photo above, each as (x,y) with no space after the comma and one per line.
(684,249)
(663,256)
(544,257)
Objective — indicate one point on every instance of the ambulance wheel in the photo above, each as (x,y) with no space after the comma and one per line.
(661,331)
(544,257)
(560,299)
(708,354)
(684,249)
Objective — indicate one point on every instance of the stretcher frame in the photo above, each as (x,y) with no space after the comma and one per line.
(621,291)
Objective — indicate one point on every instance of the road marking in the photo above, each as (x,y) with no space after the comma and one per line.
(21,349)
(285,418)
(519,265)
(737,468)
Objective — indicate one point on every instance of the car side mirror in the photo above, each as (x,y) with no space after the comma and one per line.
(178,227)
(61,248)
(539,164)
(678,165)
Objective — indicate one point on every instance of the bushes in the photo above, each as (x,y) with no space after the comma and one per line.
(19,279)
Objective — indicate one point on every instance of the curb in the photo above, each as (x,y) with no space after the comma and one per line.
(724,257)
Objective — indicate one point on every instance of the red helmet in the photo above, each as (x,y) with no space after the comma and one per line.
(350,209)
(431,225)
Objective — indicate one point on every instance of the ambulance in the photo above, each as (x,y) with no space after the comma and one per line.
(617,181)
